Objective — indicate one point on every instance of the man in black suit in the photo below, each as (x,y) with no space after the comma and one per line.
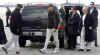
(73,28)
(93,12)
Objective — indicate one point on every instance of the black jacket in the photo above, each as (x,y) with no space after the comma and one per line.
(53,20)
(93,18)
(73,26)
(16,22)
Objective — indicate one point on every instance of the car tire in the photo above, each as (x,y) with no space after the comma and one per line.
(22,41)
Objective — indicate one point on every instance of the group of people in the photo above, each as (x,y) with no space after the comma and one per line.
(85,26)
(89,27)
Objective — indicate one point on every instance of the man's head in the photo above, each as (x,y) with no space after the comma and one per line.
(92,5)
(19,6)
(84,10)
(50,5)
(73,9)
(50,9)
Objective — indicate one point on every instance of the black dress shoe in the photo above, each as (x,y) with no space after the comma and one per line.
(67,48)
(88,50)
(7,26)
(17,52)
(70,48)
(80,49)
(5,50)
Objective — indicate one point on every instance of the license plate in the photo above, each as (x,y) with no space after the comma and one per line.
(38,33)
(26,33)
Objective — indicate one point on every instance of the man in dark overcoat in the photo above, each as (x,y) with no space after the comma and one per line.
(93,23)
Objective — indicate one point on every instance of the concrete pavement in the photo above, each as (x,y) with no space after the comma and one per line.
(32,51)
(35,51)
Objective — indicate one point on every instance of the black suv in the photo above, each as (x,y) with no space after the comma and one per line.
(35,20)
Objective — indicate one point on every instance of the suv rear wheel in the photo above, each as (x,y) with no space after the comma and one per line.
(22,41)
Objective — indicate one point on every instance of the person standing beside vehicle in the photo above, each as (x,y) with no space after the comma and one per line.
(93,12)
(73,28)
(15,27)
(53,21)
(89,23)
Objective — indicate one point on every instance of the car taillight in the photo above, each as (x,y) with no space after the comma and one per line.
(39,4)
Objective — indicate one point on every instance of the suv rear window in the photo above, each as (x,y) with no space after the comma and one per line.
(35,11)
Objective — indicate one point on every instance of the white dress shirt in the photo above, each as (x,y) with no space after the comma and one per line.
(91,10)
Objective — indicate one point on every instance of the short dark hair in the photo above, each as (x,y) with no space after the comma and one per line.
(50,5)
(73,7)
(92,3)
(20,5)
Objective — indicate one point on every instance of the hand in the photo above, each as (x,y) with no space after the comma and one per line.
(60,23)
(54,30)
(90,28)
(60,27)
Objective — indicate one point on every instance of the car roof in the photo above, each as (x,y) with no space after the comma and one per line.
(72,4)
(36,4)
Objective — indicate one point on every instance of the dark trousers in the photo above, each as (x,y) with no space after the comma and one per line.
(7,24)
(72,41)
(96,41)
